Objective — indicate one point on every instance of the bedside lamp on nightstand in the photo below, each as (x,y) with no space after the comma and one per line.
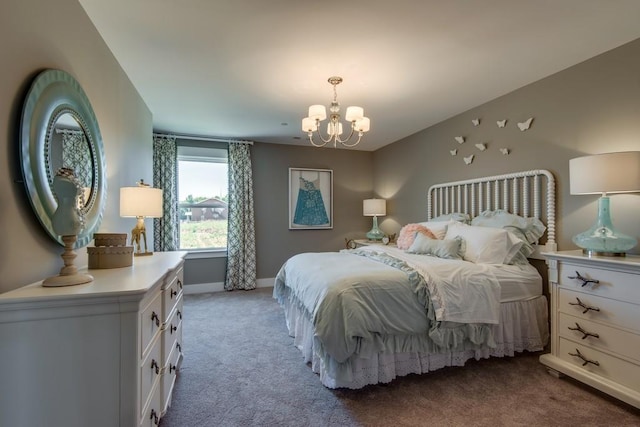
(604,174)
(374,208)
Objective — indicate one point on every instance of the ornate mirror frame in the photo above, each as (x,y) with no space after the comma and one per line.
(54,93)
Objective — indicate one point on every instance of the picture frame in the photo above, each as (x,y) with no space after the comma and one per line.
(310,199)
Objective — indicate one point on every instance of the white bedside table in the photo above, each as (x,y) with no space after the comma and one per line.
(595,322)
(365,242)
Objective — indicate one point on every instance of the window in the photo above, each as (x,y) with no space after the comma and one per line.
(203,197)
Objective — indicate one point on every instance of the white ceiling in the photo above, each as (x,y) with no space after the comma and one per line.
(250,68)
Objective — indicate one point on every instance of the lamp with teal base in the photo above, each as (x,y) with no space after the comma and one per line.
(602,174)
(374,208)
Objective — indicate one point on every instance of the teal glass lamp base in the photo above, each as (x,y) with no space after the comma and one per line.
(375,233)
(603,238)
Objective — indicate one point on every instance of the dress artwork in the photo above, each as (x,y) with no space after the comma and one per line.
(310,208)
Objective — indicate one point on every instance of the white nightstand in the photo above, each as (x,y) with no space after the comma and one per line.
(595,322)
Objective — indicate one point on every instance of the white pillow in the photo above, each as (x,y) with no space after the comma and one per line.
(448,249)
(438,228)
(485,245)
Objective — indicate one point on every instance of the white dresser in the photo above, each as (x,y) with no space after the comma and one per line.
(595,321)
(104,353)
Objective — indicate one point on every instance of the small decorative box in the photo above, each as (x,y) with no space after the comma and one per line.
(110,256)
(110,239)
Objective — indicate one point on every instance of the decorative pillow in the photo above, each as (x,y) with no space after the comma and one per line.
(438,228)
(449,249)
(455,216)
(531,228)
(486,245)
(408,233)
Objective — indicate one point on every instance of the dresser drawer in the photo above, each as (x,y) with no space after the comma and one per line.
(169,378)
(172,331)
(150,322)
(150,372)
(592,307)
(151,413)
(599,336)
(171,293)
(609,367)
(612,283)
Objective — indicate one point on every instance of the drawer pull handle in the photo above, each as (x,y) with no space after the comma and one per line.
(172,368)
(583,332)
(154,417)
(180,283)
(173,293)
(584,280)
(172,329)
(584,359)
(179,314)
(583,305)
(179,347)
(154,364)
(154,317)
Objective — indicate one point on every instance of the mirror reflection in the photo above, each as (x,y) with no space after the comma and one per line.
(68,147)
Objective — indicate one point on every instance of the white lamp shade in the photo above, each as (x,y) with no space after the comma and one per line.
(363,124)
(605,173)
(374,207)
(354,114)
(309,125)
(141,201)
(317,112)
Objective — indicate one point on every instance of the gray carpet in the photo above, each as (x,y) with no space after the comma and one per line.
(240,368)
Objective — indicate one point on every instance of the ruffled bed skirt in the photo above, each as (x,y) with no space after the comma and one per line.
(523,326)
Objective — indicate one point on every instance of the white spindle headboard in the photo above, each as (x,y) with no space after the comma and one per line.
(528,194)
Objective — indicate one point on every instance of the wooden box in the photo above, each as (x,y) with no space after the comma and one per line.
(110,239)
(110,256)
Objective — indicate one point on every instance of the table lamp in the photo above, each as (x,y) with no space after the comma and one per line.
(140,202)
(374,208)
(603,174)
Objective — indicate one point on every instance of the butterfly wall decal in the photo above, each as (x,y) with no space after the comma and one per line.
(525,125)
(460,139)
(475,122)
(504,151)
(481,147)
(468,160)
(453,152)
(501,123)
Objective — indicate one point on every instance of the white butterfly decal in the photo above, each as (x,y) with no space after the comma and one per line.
(501,123)
(504,151)
(525,125)
(475,122)
(460,139)
(453,152)
(481,147)
(468,160)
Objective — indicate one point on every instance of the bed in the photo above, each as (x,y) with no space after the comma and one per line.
(461,290)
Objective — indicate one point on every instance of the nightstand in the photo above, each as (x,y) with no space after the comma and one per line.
(365,242)
(595,322)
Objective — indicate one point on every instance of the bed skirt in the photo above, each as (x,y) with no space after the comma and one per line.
(523,326)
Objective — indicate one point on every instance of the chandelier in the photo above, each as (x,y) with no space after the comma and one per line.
(317,113)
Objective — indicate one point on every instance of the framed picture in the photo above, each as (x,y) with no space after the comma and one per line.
(310,199)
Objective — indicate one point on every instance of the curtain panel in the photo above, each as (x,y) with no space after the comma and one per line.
(241,241)
(165,175)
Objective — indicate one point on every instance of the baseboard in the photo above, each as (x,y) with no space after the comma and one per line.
(203,288)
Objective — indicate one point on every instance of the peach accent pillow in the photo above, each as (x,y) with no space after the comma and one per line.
(408,234)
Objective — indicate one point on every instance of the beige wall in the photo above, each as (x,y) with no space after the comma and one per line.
(593,107)
(40,34)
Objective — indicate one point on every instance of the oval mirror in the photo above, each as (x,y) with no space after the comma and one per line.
(59,129)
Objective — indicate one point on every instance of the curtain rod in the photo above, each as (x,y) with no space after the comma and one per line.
(205,138)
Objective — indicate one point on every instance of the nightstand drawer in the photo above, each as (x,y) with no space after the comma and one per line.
(600,336)
(592,307)
(609,367)
(612,284)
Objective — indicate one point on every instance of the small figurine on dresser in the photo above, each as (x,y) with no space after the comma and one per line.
(67,222)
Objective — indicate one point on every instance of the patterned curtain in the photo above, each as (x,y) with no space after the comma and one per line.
(241,240)
(165,173)
(76,155)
